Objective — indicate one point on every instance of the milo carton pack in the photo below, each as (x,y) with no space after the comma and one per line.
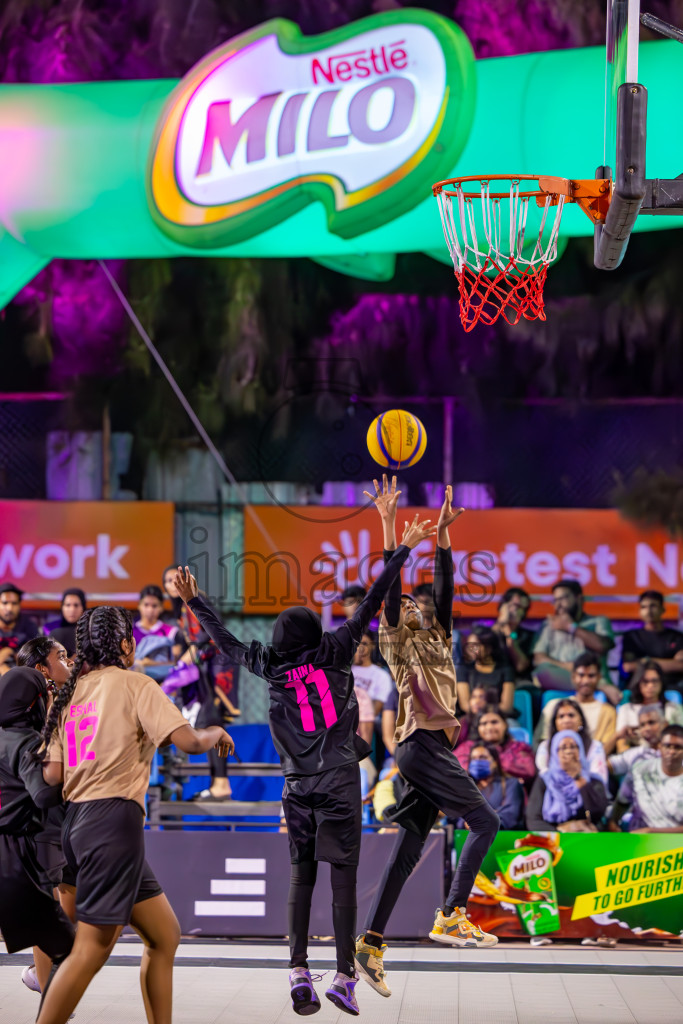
(527,874)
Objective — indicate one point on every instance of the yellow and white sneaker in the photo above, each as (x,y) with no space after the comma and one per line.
(369,965)
(457,930)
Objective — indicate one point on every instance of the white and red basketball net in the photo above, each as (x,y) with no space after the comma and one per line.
(494,282)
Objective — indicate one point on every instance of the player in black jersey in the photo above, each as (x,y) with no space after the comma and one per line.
(50,658)
(29,915)
(314,724)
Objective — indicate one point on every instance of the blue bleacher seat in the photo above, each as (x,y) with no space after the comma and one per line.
(518,733)
(524,706)
(554,694)
(670,695)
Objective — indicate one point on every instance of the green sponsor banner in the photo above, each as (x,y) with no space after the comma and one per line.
(579,884)
(278,144)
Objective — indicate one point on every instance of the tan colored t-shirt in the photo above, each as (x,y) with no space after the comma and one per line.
(421,662)
(108,732)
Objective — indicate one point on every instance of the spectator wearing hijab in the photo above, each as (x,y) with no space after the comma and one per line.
(63,629)
(566,797)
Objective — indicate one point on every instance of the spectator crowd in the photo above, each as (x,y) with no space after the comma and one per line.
(553,737)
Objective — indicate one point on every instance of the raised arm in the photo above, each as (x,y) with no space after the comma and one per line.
(442,589)
(386,502)
(391,573)
(208,618)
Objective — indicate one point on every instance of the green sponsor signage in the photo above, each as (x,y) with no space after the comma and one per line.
(579,884)
(284,145)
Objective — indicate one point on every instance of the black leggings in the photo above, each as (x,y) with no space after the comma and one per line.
(483,822)
(302,883)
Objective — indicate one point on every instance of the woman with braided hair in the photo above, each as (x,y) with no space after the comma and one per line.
(99,740)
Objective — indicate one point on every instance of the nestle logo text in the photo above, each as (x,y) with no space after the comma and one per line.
(342,67)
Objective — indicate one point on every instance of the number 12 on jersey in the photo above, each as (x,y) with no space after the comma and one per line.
(75,751)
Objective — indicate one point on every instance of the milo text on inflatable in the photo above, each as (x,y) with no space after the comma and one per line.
(284,145)
(359,119)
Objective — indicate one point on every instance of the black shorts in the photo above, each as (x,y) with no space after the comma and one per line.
(56,869)
(323,815)
(104,844)
(435,783)
(29,916)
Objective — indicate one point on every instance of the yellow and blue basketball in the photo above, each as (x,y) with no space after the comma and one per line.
(397,439)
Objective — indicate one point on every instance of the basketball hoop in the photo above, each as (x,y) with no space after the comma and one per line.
(501,274)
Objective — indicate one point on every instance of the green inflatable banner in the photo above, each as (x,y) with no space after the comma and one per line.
(575,885)
(284,145)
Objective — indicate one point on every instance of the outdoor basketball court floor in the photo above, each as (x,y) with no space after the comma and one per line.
(245,983)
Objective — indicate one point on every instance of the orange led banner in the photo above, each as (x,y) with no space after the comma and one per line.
(110,549)
(322,550)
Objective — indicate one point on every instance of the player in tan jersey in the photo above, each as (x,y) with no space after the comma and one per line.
(100,738)
(426,729)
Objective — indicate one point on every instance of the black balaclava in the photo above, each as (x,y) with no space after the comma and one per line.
(297,631)
(23,698)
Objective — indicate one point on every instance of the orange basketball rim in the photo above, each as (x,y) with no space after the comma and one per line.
(500,255)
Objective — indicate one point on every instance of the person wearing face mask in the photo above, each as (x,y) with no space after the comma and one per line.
(504,794)
(566,797)
(516,756)
(647,690)
(567,714)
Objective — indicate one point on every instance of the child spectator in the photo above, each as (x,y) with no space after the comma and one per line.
(158,643)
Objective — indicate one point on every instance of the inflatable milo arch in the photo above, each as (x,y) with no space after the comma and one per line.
(281,145)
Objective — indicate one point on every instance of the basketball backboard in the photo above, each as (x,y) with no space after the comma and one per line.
(625,135)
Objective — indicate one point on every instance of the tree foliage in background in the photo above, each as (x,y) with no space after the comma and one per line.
(232,329)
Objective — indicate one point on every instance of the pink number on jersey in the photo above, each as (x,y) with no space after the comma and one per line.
(72,752)
(327,704)
(91,721)
(307,719)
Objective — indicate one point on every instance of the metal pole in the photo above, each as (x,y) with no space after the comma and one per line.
(198,425)
(448,410)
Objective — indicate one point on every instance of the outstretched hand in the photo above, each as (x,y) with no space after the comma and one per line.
(185,584)
(448,514)
(385,500)
(416,531)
